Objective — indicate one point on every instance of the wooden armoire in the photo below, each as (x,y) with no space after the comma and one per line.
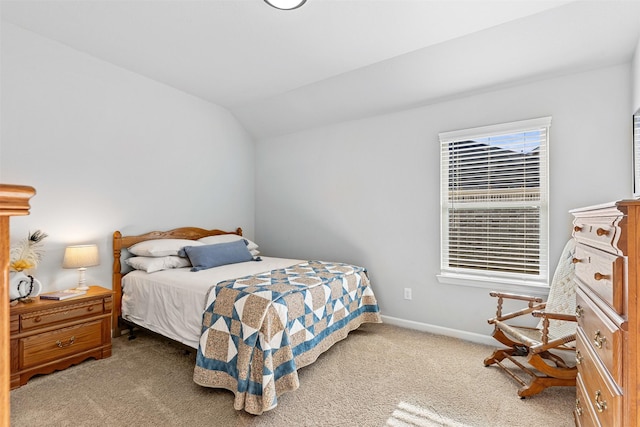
(14,200)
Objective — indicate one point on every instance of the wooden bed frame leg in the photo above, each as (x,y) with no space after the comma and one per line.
(117,331)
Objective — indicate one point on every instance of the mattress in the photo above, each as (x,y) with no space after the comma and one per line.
(171,302)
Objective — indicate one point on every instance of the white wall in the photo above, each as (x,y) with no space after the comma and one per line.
(367,191)
(107,149)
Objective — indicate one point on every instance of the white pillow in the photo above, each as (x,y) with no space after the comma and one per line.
(161,247)
(151,264)
(226,238)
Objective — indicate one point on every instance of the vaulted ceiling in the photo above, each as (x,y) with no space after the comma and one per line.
(334,60)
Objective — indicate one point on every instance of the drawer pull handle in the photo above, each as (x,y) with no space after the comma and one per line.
(579,311)
(602,232)
(600,276)
(577,228)
(62,345)
(601,405)
(598,339)
(578,407)
(575,260)
(90,308)
(579,358)
(37,319)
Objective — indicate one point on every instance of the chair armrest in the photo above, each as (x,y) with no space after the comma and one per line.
(534,303)
(545,327)
(502,317)
(554,316)
(516,296)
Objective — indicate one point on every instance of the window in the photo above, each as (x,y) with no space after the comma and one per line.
(494,200)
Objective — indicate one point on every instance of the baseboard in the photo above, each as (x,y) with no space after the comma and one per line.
(440,330)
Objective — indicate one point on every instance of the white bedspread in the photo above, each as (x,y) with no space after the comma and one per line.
(171,302)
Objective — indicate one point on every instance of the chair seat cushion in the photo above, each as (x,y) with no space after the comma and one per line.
(530,337)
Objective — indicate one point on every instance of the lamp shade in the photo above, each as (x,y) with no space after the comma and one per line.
(80,256)
(285,4)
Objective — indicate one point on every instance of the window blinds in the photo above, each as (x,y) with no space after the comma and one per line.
(494,200)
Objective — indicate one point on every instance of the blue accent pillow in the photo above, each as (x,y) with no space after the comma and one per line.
(209,256)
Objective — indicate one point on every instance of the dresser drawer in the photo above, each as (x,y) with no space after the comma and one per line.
(600,334)
(583,413)
(603,273)
(42,318)
(600,391)
(611,361)
(55,345)
(601,232)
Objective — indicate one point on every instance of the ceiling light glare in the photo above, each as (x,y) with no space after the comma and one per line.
(285,4)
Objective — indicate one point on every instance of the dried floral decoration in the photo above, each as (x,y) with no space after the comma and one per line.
(28,252)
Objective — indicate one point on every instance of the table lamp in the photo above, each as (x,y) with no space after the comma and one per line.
(81,257)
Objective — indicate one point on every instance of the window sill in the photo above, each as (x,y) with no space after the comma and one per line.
(495,284)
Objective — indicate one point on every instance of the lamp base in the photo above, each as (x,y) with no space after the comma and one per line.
(82,282)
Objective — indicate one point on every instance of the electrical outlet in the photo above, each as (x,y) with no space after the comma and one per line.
(407,293)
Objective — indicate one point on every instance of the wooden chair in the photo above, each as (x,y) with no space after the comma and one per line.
(541,346)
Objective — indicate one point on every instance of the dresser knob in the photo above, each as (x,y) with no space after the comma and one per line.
(600,276)
(601,405)
(598,339)
(602,232)
(37,319)
(575,260)
(577,228)
(579,311)
(579,358)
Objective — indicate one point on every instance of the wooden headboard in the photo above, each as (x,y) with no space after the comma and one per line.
(122,242)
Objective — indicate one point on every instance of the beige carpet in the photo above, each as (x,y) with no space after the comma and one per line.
(381,375)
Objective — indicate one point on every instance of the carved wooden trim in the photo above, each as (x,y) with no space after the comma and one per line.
(14,199)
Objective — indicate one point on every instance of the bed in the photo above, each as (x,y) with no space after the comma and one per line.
(254,321)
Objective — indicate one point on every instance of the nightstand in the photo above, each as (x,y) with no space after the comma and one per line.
(50,335)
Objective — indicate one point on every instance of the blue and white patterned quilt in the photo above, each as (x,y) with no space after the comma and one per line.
(259,330)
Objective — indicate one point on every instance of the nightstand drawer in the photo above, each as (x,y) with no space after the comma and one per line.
(67,313)
(55,345)
(603,273)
